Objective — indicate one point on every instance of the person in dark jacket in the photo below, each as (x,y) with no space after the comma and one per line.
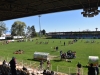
(79,68)
(79,65)
(13,66)
(4,63)
(91,70)
(64,43)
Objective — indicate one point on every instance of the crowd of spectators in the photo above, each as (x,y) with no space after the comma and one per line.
(47,72)
(92,70)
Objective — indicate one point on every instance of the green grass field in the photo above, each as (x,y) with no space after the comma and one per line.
(83,50)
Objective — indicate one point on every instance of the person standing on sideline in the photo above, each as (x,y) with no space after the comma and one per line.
(48,64)
(13,66)
(4,62)
(61,54)
(97,70)
(78,68)
(91,70)
(64,43)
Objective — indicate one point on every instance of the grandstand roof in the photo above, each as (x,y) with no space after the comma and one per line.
(11,9)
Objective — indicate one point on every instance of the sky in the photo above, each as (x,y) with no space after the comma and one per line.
(60,22)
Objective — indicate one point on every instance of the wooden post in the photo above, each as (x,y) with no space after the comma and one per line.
(57,68)
(69,70)
(51,67)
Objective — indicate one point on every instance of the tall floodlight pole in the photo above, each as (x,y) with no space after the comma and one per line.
(40,26)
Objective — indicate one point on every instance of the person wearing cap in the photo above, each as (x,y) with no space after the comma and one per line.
(13,66)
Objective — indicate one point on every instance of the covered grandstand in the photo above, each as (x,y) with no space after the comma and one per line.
(73,35)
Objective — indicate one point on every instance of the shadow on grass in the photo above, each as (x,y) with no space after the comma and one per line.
(85,66)
(53,51)
(62,45)
(73,74)
(32,60)
(37,60)
(57,60)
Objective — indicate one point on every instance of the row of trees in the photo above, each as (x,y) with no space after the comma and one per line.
(20,29)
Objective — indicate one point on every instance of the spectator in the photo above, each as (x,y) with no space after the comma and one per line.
(4,62)
(52,72)
(24,68)
(13,66)
(44,72)
(79,68)
(48,73)
(97,70)
(91,70)
(64,43)
(56,48)
(61,54)
(48,64)
(79,65)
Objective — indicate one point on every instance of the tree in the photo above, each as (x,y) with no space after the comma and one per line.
(2,27)
(28,32)
(43,32)
(31,31)
(18,28)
